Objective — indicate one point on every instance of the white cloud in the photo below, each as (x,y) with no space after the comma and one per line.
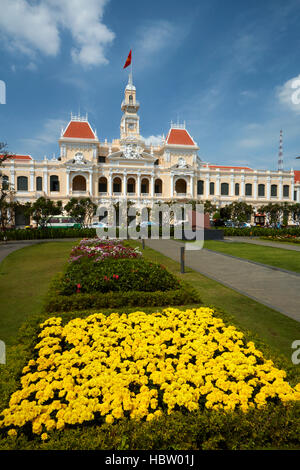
(250,143)
(49,134)
(33,28)
(289,94)
(153,140)
(29,27)
(156,36)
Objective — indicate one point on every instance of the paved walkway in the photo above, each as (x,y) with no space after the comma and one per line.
(274,288)
(10,246)
(257,241)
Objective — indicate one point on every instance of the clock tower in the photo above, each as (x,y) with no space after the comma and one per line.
(130,126)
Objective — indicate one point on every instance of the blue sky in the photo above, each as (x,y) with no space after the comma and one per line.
(225,67)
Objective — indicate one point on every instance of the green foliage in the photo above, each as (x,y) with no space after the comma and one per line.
(259,231)
(182,295)
(42,209)
(48,233)
(82,210)
(118,275)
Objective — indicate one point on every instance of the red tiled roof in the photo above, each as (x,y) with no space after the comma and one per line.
(222,167)
(79,130)
(297,176)
(18,157)
(179,137)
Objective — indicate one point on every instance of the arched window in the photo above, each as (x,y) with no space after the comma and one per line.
(5,182)
(79,183)
(22,183)
(248,189)
(200,187)
(102,185)
(180,186)
(54,183)
(261,190)
(117,185)
(130,99)
(158,186)
(273,190)
(131,185)
(224,189)
(211,188)
(237,189)
(39,183)
(286,190)
(145,186)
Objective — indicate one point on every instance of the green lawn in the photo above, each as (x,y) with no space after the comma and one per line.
(24,279)
(280,258)
(273,328)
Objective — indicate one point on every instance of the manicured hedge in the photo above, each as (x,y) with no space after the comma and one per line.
(65,303)
(47,233)
(259,231)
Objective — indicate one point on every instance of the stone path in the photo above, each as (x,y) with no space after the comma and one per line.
(255,241)
(276,289)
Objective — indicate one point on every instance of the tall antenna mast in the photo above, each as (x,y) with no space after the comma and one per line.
(280,154)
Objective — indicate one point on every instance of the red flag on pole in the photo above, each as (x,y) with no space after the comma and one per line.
(128,60)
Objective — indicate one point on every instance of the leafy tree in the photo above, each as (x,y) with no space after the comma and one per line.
(273,211)
(241,211)
(7,194)
(82,210)
(209,207)
(42,210)
(295,211)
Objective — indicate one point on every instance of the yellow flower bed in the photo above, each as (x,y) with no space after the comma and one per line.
(138,366)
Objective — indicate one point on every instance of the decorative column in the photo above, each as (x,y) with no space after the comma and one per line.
(68,182)
(172,185)
(91,182)
(268,187)
(255,187)
(192,186)
(12,175)
(32,179)
(218,177)
(45,180)
(139,184)
(280,188)
(232,183)
(110,186)
(152,185)
(242,185)
(124,183)
(207,183)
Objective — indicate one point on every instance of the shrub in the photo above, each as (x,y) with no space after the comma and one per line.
(259,231)
(183,295)
(116,275)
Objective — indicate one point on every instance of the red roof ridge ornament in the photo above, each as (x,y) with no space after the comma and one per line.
(179,135)
(79,128)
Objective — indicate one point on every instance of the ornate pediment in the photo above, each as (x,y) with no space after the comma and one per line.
(131,151)
(181,164)
(79,162)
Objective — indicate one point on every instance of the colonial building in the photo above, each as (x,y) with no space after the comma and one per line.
(90,166)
